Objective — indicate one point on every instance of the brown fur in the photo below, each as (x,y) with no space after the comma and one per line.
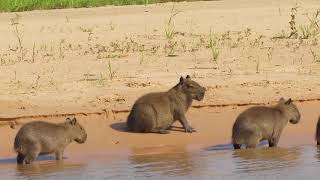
(263,123)
(318,132)
(39,137)
(156,112)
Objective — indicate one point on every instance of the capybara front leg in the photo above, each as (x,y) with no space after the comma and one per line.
(236,146)
(183,120)
(31,155)
(59,154)
(273,143)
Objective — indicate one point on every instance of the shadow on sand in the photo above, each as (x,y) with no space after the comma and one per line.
(122,127)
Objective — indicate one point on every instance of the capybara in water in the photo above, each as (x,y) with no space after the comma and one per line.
(39,137)
(263,123)
(156,112)
(318,132)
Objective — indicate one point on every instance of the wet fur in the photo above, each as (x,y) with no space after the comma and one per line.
(156,112)
(263,123)
(39,137)
(318,132)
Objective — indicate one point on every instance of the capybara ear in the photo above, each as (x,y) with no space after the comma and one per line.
(188,77)
(289,101)
(74,121)
(181,80)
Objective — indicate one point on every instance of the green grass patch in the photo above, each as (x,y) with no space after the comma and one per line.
(28,5)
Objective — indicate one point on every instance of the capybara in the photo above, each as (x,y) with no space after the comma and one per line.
(39,137)
(156,112)
(318,132)
(263,123)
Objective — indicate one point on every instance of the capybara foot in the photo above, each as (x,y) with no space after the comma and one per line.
(272,143)
(29,159)
(20,158)
(160,131)
(236,146)
(189,129)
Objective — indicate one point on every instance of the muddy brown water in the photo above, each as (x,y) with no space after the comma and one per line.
(113,153)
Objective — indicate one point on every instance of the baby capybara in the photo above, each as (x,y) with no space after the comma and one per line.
(156,112)
(39,137)
(263,123)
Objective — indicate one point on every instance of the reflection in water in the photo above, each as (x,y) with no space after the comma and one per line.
(169,161)
(292,163)
(275,159)
(40,169)
(318,152)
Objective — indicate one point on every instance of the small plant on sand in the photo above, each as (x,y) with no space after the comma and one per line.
(35,85)
(269,53)
(141,58)
(15,23)
(33,58)
(292,22)
(257,65)
(293,30)
(61,49)
(170,28)
(86,29)
(316,56)
(170,48)
(112,26)
(312,29)
(213,46)
(111,71)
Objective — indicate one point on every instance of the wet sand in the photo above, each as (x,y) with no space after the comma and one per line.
(107,134)
(112,152)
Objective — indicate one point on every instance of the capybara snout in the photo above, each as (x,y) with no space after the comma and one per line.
(191,87)
(77,130)
(293,112)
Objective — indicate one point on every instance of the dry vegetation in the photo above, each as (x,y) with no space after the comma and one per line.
(234,53)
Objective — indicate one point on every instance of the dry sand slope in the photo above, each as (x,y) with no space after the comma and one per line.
(101,59)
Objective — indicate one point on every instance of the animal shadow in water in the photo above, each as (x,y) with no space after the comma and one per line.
(39,158)
(122,127)
(221,147)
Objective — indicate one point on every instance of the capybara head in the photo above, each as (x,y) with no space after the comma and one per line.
(76,130)
(291,110)
(192,88)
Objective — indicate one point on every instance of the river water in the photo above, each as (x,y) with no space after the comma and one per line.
(219,162)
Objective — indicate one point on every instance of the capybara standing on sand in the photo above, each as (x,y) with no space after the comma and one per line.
(318,132)
(156,112)
(263,123)
(39,137)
